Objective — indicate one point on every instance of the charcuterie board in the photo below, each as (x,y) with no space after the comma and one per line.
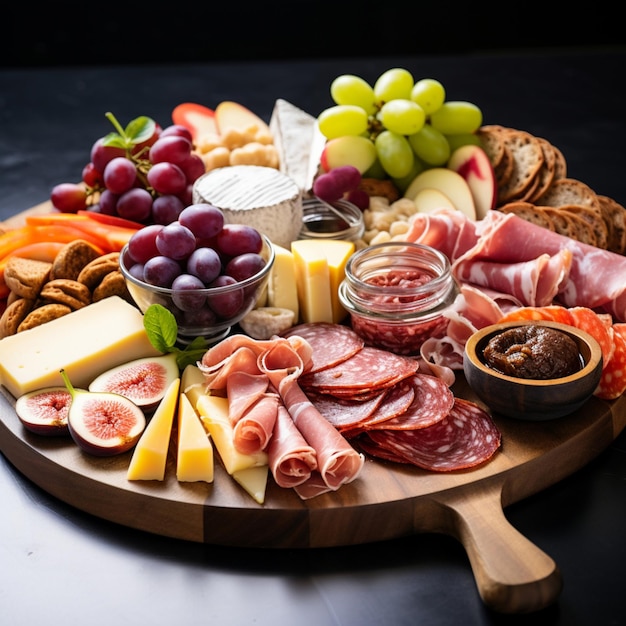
(386,501)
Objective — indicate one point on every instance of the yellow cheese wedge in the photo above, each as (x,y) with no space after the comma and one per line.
(313,278)
(337,254)
(85,343)
(282,288)
(150,454)
(320,267)
(254,481)
(194,461)
(214,413)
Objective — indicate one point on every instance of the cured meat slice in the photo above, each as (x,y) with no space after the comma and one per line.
(613,381)
(338,462)
(432,402)
(291,459)
(345,413)
(243,390)
(466,437)
(253,430)
(332,343)
(369,370)
(597,327)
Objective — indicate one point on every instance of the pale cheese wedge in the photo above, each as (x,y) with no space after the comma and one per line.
(84,343)
(254,481)
(320,267)
(194,461)
(282,288)
(150,454)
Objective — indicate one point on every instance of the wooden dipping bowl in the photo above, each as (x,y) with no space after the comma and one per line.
(532,399)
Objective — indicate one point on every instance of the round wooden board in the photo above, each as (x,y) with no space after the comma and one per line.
(386,501)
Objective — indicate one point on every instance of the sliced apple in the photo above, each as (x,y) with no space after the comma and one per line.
(232,115)
(428,200)
(473,164)
(200,120)
(348,150)
(448,182)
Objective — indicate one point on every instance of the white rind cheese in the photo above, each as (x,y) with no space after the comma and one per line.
(258,196)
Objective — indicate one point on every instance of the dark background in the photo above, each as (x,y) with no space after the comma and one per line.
(104,33)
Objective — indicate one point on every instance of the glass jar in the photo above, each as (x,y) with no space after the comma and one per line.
(396,294)
(340,220)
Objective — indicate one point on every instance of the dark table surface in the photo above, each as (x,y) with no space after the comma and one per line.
(60,565)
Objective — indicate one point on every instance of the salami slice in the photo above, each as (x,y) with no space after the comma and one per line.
(613,381)
(332,343)
(466,437)
(345,413)
(370,369)
(597,327)
(432,402)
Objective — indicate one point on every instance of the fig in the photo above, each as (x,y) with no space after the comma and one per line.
(103,423)
(144,381)
(45,411)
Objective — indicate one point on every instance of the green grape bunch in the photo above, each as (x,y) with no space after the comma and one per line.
(410,123)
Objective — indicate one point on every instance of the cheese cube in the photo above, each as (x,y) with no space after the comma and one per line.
(320,267)
(85,343)
(194,461)
(150,454)
(282,287)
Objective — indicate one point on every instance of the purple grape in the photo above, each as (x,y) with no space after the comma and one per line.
(136,271)
(175,241)
(183,286)
(347,177)
(244,266)
(178,130)
(160,271)
(193,167)
(119,175)
(226,305)
(203,318)
(170,149)
(236,239)
(203,220)
(101,154)
(142,244)
(204,263)
(326,188)
(167,178)
(135,204)
(166,209)
(107,202)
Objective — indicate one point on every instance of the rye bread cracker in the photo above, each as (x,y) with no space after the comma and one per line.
(595,220)
(66,291)
(570,191)
(616,213)
(530,213)
(546,173)
(527,161)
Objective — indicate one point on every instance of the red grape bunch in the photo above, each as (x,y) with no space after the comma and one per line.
(142,173)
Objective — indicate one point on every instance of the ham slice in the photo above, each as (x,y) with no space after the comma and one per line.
(291,459)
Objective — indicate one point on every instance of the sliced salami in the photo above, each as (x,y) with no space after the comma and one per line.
(345,413)
(332,343)
(370,369)
(613,381)
(432,402)
(466,437)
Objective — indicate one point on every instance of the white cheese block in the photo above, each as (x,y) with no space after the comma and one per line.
(85,343)
(295,137)
(262,197)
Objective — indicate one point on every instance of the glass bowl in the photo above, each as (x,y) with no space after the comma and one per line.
(210,312)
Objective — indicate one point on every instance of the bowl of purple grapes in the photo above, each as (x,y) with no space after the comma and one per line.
(208,273)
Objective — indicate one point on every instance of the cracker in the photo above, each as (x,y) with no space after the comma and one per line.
(72,258)
(43,314)
(26,277)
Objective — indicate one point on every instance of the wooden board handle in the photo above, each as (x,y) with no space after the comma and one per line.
(512,574)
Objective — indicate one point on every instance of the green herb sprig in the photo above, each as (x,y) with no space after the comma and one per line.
(162,331)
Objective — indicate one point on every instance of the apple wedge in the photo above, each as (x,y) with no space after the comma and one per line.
(448,182)
(200,120)
(473,164)
(348,150)
(428,200)
(232,115)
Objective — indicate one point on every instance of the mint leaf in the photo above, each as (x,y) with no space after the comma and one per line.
(140,129)
(162,331)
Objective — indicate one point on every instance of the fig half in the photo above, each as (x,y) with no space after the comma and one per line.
(45,411)
(144,381)
(102,423)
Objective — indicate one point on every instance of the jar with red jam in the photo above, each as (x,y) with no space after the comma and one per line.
(397,293)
